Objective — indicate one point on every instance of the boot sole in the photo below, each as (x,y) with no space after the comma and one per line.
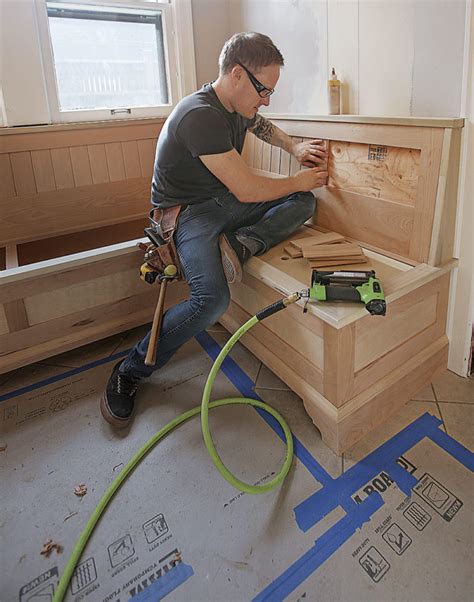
(230,255)
(111,418)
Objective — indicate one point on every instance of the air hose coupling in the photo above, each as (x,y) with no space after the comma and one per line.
(277,306)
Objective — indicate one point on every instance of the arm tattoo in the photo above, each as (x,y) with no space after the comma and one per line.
(263,129)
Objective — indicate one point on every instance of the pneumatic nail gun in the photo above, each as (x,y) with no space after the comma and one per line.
(360,286)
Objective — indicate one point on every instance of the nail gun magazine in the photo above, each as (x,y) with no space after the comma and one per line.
(358,286)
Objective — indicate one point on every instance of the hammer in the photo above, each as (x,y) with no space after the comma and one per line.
(168,274)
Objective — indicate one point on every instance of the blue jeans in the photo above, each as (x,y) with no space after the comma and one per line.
(197,237)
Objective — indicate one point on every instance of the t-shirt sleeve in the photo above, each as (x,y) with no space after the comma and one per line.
(205,131)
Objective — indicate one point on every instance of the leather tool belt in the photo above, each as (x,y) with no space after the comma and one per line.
(162,252)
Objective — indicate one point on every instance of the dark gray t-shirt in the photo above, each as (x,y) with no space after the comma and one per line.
(198,125)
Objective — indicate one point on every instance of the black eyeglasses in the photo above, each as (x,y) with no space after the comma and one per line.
(262,90)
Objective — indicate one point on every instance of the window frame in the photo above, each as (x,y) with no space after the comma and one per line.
(177,25)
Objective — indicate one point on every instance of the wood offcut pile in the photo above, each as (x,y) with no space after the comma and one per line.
(326,249)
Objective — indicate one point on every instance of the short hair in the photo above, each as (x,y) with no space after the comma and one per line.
(254,50)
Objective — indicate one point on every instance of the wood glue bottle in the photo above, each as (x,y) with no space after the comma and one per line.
(334,94)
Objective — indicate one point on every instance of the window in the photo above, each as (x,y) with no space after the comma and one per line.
(106,60)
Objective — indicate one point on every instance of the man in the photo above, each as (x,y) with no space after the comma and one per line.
(228,213)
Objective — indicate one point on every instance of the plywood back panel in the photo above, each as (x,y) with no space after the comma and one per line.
(383,183)
(55,181)
(375,171)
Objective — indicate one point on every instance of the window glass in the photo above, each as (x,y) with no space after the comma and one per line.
(107,58)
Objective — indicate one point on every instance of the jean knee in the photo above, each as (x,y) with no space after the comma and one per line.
(213,305)
(308,201)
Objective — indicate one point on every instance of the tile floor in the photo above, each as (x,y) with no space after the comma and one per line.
(449,397)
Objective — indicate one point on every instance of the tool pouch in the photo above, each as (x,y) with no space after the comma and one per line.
(158,257)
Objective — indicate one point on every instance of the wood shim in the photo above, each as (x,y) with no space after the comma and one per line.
(345,250)
(295,248)
(293,252)
(333,263)
(317,239)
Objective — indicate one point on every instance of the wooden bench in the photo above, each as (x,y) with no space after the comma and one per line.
(392,188)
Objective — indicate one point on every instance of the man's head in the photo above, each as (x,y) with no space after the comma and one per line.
(250,64)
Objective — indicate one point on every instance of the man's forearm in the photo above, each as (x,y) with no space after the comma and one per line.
(269,132)
(259,188)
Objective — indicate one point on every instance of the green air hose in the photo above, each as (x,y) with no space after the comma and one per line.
(203,409)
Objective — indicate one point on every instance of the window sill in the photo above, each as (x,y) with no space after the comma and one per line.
(80,125)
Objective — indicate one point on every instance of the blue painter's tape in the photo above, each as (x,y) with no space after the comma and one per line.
(403,479)
(245,385)
(324,547)
(321,503)
(453,447)
(168,582)
(339,491)
(63,375)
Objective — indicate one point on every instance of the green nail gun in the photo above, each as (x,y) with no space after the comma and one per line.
(349,286)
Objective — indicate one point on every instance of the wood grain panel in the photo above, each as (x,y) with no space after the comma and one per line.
(295,362)
(268,295)
(74,330)
(38,280)
(384,365)
(147,157)
(284,163)
(375,171)
(43,170)
(76,242)
(384,224)
(266,156)
(295,165)
(81,168)
(376,338)
(7,185)
(84,295)
(444,220)
(115,161)
(275,160)
(258,153)
(297,335)
(71,324)
(277,364)
(62,167)
(11,256)
(16,315)
(131,159)
(77,134)
(373,406)
(58,212)
(3,321)
(339,363)
(389,135)
(98,162)
(248,149)
(23,174)
(426,194)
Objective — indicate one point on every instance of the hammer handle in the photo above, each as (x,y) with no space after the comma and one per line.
(156,326)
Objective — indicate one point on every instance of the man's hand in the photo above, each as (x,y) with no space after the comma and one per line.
(307,179)
(310,152)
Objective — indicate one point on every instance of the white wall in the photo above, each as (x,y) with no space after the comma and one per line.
(298,28)
(395,57)
(211,27)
